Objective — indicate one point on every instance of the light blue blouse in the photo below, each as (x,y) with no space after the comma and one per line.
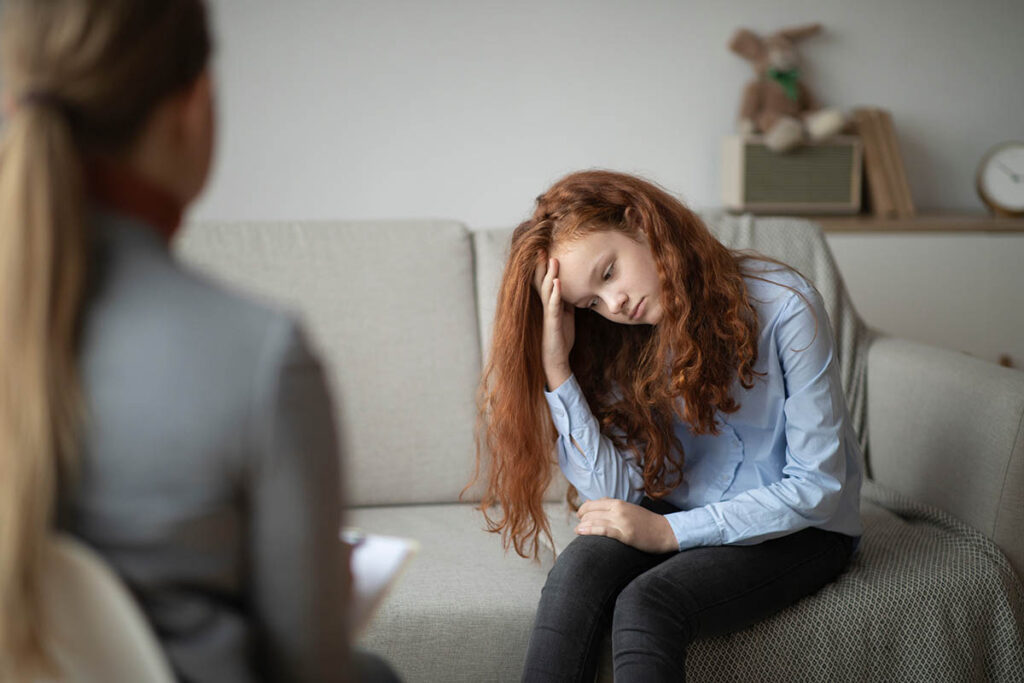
(786,460)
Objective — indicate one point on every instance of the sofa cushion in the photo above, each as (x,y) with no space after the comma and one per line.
(391,308)
(463,609)
(490,249)
(925,598)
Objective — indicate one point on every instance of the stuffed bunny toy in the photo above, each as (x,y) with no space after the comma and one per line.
(777,104)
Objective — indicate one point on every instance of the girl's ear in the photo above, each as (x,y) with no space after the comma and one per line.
(747,44)
(798,33)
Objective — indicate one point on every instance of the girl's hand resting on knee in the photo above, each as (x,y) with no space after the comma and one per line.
(631,524)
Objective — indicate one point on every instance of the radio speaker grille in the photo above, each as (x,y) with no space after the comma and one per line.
(821,177)
(808,174)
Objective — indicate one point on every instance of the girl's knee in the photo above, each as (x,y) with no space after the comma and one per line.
(652,603)
(584,551)
(588,563)
(645,594)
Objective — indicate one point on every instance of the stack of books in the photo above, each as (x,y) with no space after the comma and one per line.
(888,190)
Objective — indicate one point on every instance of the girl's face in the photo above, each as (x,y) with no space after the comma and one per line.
(610,273)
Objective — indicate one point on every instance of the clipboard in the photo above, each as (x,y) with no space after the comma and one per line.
(376,563)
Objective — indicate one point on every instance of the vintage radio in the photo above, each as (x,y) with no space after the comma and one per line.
(816,177)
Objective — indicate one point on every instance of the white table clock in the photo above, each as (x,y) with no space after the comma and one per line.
(1000,179)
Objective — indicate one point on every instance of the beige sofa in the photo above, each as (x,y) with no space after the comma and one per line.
(401,311)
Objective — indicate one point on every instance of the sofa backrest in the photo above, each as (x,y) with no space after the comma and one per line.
(490,251)
(391,309)
(401,313)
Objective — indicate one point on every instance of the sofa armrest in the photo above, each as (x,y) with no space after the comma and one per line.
(947,430)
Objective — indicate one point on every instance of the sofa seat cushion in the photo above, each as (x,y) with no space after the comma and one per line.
(925,598)
(463,609)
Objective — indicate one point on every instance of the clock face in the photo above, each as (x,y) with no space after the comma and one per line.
(1001,177)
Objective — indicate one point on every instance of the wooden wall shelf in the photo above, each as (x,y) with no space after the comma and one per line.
(937,222)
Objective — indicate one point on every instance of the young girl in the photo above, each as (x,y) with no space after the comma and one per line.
(693,399)
(181,430)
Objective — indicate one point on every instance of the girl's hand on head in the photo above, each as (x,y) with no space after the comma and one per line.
(559,324)
(633,525)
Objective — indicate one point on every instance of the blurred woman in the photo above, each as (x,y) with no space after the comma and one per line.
(179,429)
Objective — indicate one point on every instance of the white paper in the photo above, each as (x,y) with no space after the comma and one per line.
(376,563)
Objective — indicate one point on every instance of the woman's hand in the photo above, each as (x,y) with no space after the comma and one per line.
(559,324)
(633,525)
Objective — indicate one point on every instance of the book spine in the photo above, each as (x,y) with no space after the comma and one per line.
(888,172)
(904,201)
(881,202)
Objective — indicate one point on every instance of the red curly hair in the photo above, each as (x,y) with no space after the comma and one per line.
(707,338)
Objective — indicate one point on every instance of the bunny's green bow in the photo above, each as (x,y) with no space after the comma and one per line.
(788,80)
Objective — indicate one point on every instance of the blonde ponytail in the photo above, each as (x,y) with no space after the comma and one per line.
(84,77)
(43,252)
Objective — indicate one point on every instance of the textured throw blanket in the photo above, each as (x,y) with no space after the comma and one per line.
(926,598)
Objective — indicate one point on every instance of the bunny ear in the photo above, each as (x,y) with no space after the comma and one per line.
(798,33)
(747,44)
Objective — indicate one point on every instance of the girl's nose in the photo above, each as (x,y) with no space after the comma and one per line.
(616,303)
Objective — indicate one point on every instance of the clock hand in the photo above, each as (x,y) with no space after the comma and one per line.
(1015,176)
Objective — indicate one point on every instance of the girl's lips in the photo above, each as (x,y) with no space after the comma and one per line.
(638,311)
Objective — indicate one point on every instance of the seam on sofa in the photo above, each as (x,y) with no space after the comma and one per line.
(1006,472)
(873,337)
(474,267)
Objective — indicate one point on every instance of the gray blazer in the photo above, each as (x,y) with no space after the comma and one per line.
(209,474)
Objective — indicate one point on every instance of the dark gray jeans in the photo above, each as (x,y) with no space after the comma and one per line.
(659,604)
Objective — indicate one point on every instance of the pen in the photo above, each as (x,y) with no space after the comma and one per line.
(354,537)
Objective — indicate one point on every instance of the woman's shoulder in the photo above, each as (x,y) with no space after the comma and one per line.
(137,275)
(145,300)
(189,351)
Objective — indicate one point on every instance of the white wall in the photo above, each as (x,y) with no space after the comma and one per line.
(961,291)
(468,109)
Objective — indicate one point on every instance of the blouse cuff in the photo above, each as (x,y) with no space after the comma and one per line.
(569,409)
(695,528)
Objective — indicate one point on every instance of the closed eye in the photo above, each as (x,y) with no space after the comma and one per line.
(608,271)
